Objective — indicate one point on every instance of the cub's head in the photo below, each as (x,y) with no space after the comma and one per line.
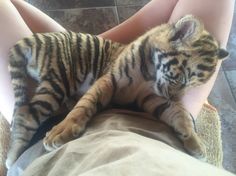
(184,55)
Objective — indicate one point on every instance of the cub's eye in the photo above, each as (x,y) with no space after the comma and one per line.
(173,81)
(179,78)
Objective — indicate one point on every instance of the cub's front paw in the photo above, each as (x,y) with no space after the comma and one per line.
(195,147)
(65,131)
(185,130)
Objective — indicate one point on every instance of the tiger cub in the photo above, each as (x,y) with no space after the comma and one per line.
(153,71)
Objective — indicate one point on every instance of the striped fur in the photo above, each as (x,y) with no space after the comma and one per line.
(153,71)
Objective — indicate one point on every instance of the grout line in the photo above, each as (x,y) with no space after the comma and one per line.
(116,11)
(117,15)
(131,5)
(100,7)
(105,7)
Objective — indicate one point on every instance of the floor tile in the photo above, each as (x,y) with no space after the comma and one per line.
(234,6)
(126,12)
(230,63)
(94,3)
(93,21)
(69,4)
(231,76)
(222,98)
(131,2)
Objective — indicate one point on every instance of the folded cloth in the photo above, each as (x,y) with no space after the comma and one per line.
(116,142)
(118,153)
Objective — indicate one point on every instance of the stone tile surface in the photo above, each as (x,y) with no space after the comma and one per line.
(222,98)
(131,2)
(230,63)
(69,4)
(231,76)
(92,20)
(125,12)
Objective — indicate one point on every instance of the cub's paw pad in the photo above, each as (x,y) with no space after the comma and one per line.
(61,134)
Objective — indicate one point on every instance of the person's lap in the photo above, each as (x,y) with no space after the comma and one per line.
(116,142)
(124,121)
(19,20)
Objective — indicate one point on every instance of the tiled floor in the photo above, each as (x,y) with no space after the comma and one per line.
(223,97)
(96,16)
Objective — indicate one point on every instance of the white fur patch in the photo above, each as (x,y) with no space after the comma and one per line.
(86,84)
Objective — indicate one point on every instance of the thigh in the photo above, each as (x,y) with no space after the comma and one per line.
(36,19)
(13,28)
(215,14)
(217,17)
(18,19)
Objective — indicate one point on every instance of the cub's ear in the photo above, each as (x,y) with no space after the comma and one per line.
(186,30)
(222,53)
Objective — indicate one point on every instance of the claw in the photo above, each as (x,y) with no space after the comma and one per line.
(65,131)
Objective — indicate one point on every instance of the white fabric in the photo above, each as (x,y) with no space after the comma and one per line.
(121,144)
(117,153)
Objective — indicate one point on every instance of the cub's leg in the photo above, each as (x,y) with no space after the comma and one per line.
(97,97)
(28,117)
(22,129)
(176,116)
(19,131)
(180,119)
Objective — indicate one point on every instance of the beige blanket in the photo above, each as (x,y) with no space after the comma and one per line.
(118,143)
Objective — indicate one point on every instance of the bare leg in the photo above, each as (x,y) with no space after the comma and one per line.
(13,28)
(36,19)
(217,16)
